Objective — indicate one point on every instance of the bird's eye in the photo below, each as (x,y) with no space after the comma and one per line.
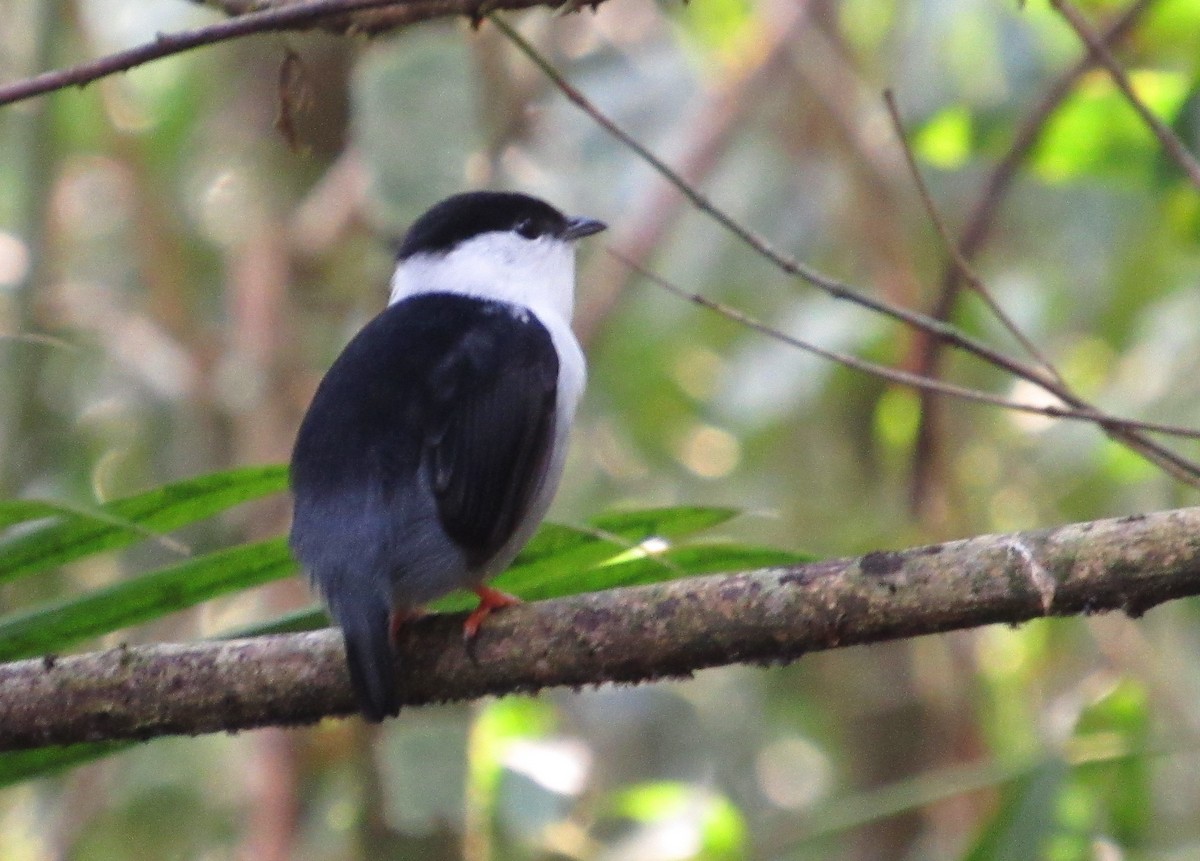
(528,228)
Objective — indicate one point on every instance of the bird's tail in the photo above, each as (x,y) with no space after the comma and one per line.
(366,628)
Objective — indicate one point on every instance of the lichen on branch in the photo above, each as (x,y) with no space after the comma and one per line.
(629,635)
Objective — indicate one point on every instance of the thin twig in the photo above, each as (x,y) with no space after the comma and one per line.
(296,16)
(837,289)
(978,229)
(957,260)
(1171,462)
(897,375)
(1169,141)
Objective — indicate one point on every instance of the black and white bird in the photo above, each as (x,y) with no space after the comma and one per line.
(435,442)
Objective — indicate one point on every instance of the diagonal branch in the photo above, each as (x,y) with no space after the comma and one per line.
(1171,462)
(630,635)
(898,375)
(1169,141)
(959,264)
(978,230)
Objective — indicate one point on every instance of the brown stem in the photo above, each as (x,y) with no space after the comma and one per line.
(1167,139)
(634,634)
(285,16)
(1169,461)
(975,234)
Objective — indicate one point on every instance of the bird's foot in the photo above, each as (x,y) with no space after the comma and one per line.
(489,599)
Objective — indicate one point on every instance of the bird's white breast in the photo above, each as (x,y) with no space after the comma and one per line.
(535,274)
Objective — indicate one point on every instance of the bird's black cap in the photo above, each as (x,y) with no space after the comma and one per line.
(464,216)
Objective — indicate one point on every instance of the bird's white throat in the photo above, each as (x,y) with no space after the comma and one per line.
(505,266)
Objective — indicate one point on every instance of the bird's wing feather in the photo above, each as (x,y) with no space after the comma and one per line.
(442,409)
(461,388)
(492,405)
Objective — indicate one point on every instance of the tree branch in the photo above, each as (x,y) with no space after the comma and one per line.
(1169,461)
(269,16)
(1167,139)
(633,634)
(977,232)
(899,375)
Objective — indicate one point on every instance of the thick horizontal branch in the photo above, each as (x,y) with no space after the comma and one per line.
(624,635)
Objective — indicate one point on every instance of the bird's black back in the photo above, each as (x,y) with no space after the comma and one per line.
(422,450)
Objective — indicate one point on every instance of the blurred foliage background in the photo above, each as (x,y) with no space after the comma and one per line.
(176,273)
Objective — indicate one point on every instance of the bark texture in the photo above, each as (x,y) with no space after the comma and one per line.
(631,635)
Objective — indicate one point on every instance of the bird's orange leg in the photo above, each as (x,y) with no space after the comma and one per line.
(489,599)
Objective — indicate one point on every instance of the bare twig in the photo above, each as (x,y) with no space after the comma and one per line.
(900,376)
(634,634)
(651,218)
(837,289)
(978,229)
(1171,462)
(1169,141)
(957,260)
(294,16)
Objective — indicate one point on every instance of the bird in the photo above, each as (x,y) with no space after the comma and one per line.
(435,442)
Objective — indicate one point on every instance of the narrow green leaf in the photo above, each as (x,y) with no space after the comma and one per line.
(1025,820)
(683,561)
(559,550)
(309,619)
(14,511)
(691,560)
(125,521)
(63,624)
(568,570)
(25,510)
(564,561)
(621,528)
(559,561)
(671,564)
(20,765)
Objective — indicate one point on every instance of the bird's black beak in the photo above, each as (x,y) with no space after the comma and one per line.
(579,227)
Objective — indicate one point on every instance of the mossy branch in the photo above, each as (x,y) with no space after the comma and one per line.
(629,635)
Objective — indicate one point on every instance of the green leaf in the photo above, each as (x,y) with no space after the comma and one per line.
(1095,131)
(566,560)
(847,811)
(1026,820)
(1121,786)
(945,139)
(14,511)
(560,561)
(571,567)
(717,822)
(125,521)
(546,582)
(63,624)
(622,528)
(19,765)
(309,619)
(719,25)
(691,560)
